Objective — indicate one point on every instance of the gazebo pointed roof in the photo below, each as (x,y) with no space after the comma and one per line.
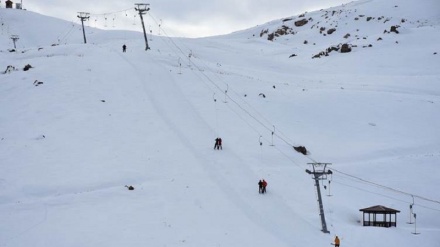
(379,209)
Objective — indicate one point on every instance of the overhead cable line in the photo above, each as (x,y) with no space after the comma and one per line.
(112,13)
(284,139)
(386,187)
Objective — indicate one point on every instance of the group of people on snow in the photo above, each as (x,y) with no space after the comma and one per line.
(218,143)
(262,186)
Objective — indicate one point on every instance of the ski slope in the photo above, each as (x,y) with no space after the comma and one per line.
(103,119)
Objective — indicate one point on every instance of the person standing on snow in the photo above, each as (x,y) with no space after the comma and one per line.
(264,186)
(220,143)
(216,143)
(337,241)
(124,48)
(260,186)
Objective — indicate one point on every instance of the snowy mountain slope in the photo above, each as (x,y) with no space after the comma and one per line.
(361,24)
(37,30)
(103,119)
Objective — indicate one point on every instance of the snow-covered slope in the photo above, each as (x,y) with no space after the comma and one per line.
(86,120)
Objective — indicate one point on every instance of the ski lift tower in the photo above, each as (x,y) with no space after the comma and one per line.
(14,39)
(83,16)
(320,173)
(142,8)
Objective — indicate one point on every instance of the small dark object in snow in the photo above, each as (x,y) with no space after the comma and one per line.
(293,55)
(330,31)
(36,83)
(301,22)
(435,53)
(129,187)
(394,29)
(273,86)
(9,69)
(345,48)
(27,67)
(301,149)
(102,100)
(262,95)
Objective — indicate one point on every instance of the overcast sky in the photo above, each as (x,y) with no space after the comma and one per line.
(184,18)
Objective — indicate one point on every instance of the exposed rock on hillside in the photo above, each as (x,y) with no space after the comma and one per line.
(345,48)
(331,30)
(284,30)
(301,22)
(394,29)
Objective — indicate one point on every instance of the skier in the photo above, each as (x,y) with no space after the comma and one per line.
(337,241)
(264,186)
(216,143)
(124,48)
(260,186)
(220,143)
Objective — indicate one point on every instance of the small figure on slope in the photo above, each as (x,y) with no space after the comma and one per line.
(260,186)
(124,48)
(264,186)
(337,241)
(218,143)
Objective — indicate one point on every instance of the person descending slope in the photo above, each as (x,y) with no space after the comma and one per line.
(124,48)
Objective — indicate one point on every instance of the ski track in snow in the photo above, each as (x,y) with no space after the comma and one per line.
(223,160)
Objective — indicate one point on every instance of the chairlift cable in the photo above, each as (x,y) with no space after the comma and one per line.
(288,142)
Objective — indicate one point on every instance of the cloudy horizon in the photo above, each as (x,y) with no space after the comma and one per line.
(184,19)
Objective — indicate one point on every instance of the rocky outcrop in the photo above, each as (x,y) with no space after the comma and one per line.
(331,30)
(345,48)
(284,30)
(394,29)
(301,22)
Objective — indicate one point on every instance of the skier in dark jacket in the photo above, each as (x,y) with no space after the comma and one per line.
(260,186)
(124,48)
(216,143)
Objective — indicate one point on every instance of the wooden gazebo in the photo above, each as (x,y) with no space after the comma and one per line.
(379,216)
(9,4)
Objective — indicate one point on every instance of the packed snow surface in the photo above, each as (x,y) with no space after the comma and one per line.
(87,120)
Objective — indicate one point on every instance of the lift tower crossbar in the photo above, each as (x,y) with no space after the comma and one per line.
(320,173)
